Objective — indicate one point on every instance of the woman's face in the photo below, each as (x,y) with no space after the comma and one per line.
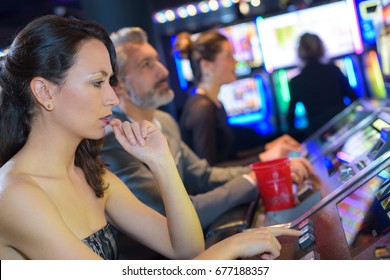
(222,69)
(83,103)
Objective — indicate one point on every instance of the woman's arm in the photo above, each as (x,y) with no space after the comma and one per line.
(257,241)
(180,234)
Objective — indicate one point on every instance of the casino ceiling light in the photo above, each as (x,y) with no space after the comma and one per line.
(192,9)
(244,8)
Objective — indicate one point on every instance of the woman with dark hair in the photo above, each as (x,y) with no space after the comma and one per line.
(321,87)
(57,199)
(203,121)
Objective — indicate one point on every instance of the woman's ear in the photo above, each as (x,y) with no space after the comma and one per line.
(42,90)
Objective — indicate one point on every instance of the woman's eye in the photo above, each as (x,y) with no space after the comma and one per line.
(98,84)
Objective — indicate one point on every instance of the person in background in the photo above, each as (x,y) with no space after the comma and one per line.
(321,87)
(142,88)
(203,121)
(57,199)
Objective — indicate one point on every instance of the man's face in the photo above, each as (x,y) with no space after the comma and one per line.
(146,79)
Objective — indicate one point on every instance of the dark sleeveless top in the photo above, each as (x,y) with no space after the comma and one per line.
(103,243)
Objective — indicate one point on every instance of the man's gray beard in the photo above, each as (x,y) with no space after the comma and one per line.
(152,99)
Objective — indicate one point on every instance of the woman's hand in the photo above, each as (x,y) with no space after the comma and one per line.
(280,148)
(285,139)
(142,140)
(252,242)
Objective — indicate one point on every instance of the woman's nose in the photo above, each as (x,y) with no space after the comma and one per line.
(112,98)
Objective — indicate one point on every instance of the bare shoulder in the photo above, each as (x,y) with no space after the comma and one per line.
(24,198)
(16,185)
(31,225)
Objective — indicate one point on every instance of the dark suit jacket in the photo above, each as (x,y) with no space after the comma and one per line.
(321,88)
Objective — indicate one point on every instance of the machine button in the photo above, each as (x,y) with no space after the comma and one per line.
(345,173)
(306,222)
(306,241)
(306,229)
(361,164)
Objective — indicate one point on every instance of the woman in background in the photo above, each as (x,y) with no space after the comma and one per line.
(57,199)
(203,121)
(320,87)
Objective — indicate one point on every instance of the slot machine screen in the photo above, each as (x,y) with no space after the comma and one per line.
(242,97)
(246,44)
(362,142)
(365,213)
(367,14)
(343,125)
(383,40)
(332,22)
(247,51)
(383,46)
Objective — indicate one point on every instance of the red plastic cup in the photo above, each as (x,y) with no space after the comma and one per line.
(275,183)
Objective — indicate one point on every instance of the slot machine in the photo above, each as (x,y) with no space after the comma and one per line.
(356,153)
(360,153)
(355,224)
(349,215)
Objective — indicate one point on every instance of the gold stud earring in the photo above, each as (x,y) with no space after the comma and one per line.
(49,106)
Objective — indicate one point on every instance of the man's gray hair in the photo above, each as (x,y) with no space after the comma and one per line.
(131,35)
(134,35)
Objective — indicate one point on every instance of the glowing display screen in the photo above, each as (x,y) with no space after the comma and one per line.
(362,142)
(241,97)
(365,213)
(342,125)
(279,34)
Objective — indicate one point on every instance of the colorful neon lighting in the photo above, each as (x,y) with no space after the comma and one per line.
(266,56)
(375,75)
(284,88)
(355,29)
(344,157)
(300,121)
(180,73)
(350,72)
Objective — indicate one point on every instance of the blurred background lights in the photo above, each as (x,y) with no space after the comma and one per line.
(213,4)
(191,9)
(226,3)
(182,12)
(255,3)
(244,8)
(170,15)
(203,7)
(160,17)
